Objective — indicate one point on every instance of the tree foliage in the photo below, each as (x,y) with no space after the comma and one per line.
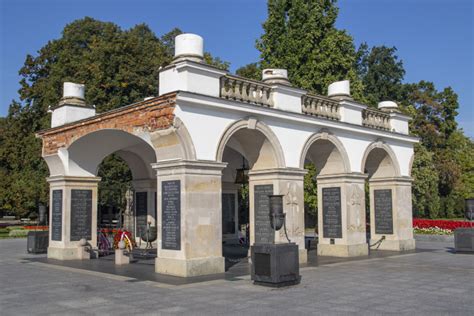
(119,67)
(300,36)
(381,73)
(426,202)
(251,71)
(310,190)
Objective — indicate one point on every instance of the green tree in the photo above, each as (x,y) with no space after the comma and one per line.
(250,71)
(434,113)
(300,36)
(116,178)
(434,121)
(118,66)
(426,202)
(310,190)
(456,169)
(381,73)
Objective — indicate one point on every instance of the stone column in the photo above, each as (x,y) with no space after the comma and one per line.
(290,183)
(144,189)
(341,215)
(391,213)
(73,215)
(189,218)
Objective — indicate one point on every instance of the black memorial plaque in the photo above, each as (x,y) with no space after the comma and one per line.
(57,216)
(228,213)
(141,211)
(264,232)
(332,220)
(383,211)
(171,214)
(81,214)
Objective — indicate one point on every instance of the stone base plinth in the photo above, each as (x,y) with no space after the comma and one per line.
(464,239)
(76,253)
(275,265)
(302,256)
(190,267)
(395,245)
(121,258)
(343,250)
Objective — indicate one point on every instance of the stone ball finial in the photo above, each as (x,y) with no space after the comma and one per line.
(388,106)
(339,89)
(73,90)
(275,76)
(189,46)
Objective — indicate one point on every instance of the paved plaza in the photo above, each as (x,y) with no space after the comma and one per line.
(432,281)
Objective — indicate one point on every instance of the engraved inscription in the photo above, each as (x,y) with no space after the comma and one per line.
(57,215)
(141,211)
(171,214)
(383,211)
(332,220)
(264,233)
(81,214)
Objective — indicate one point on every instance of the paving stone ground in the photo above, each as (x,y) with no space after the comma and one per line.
(435,281)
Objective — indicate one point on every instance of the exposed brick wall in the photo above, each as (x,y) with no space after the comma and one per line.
(153,114)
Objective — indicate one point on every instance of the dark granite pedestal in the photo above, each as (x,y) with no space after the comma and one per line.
(275,265)
(37,242)
(464,239)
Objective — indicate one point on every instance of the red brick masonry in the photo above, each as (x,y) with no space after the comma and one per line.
(153,114)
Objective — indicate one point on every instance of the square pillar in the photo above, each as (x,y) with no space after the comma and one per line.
(73,216)
(189,218)
(341,215)
(391,213)
(290,183)
(144,204)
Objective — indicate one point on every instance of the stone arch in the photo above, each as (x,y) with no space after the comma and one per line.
(337,153)
(271,147)
(410,164)
(189,152)
(82,148)
(379,161)
(83,156)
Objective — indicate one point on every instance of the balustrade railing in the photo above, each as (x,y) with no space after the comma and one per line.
(375,119)
(320,107)
(259,93)
(245,90)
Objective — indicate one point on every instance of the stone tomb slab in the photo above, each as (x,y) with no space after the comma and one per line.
(81,214)
(332,217)
(171,214)
(264,233)
(57,216)
(383,211)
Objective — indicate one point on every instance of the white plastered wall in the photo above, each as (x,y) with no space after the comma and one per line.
(206,126)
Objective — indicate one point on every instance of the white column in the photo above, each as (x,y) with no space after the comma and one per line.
(189,218)
(396,226)
(341,215)
(73,215)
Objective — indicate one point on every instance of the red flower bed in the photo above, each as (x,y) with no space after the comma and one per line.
(36,227)
(440,223)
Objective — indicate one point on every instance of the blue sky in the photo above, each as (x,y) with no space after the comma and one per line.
(434,38)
